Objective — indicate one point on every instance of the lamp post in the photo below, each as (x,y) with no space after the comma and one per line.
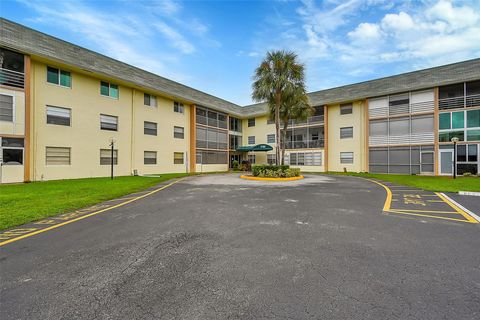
(454,140)
(112,144)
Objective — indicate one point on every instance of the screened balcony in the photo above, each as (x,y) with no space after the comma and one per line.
(305,138)
(459,95)
(12,69)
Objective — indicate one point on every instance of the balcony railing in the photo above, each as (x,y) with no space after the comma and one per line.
(459,102)
(305,144)
(12,78)
(309,121)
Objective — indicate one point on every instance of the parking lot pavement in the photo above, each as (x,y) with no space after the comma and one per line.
(217,247)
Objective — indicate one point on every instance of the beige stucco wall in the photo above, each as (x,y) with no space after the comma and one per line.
(355,144)
(17,127)
(85,138)
(211,168)
(260,131)
(164,143)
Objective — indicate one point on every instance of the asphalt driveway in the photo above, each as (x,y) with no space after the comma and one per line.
(217,247)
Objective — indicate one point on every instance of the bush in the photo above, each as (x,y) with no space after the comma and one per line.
(235,165)
(273,171)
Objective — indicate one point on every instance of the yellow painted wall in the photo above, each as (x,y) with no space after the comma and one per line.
(17,127)
(211,168)
(164,143)
(85,138)
(355,144)
(260,131)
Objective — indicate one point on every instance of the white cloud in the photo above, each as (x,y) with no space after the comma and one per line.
(177,39)
(365,31)
(397,22)
(455,17)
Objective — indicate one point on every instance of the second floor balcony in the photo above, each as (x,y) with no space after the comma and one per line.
(305,144)
(12,78)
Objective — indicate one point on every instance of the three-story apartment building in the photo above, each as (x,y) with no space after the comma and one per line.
(61,106)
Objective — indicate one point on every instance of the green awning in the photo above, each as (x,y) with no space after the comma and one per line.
(258,147)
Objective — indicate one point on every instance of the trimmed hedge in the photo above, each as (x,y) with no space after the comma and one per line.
(273,171)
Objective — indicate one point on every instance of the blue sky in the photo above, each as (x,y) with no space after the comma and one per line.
(214,46)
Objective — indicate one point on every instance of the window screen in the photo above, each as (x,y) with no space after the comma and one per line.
(149,157)
(150,128)
(399,104)
(105,156)
(57,156)
(346,132)
(378,128)
(422,124)
(178,132)
(399,127)
(6,108)
(59,116)
(108,122)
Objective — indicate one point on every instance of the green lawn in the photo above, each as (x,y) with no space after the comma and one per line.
(22,203)
(432,183)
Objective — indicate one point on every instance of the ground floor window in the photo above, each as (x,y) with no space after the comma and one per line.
(11,151)
(304,158)
(402,160)
(251,158)
(106,156)
(271,159)
(346,157)
(212,157)
(57,156)
(178,157)
(149,157)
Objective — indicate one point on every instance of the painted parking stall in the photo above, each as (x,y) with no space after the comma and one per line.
(34,228)
(421,203)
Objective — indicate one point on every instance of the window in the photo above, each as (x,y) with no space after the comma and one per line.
(109,123)
(271,158)
(458,120)
(235,141)
(461,153)
(270,121)
(346,132)
(59,77)
(6,108)
(178,107)
(235,124)
(212,157)
(304,158)
(149,157)
(270,138)
(378,128)
(346,108)
(444,119)
(422,124)
(109,89)
(251,158)
(106,156)
(399,127)
(251,122)
(473,119)
(149,100)
(346,157)
(473,135)
(149,128)
(12,156)
(251,139)
(178,132)
(178,157)
(399,104)
(57,156)
(472,153)
(58,116)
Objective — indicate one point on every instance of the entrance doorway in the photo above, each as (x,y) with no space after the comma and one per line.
(235,157)
(446,162)
(11,160)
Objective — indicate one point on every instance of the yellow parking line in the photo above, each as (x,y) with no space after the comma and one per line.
(435,217)
(426,211)
(388,200)
(463,213)
(27,235)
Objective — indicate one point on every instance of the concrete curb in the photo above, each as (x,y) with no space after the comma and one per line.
(271,179)
(469,193)
(473,215)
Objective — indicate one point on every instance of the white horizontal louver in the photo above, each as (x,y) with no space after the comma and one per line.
(378,140)
(287,159)
(422,137)
(422,101)
(400,139)
(427,106)
(378,107)
(58,112)
(108,119)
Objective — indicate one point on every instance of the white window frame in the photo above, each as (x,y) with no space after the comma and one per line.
(152,98)
(251,137)
(59,74)
(53,124)
(59,165)
(183,157)
(108,115)
(343,158)
(109,88)
(14,108)
(152,152)
(183,132)
(348,137)
(344,106)
(269,136)
(179,107)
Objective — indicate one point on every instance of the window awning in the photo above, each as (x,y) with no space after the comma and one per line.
(258,147)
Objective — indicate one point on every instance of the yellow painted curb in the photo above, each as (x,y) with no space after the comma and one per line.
(271,179)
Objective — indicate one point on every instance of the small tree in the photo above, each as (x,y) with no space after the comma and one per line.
(280,81)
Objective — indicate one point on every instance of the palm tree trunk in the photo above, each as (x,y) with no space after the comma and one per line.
(284,139)
(277,127)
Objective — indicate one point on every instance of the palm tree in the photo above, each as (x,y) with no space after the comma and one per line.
(280,81)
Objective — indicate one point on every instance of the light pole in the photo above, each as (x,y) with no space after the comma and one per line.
(112,144)
(454,140)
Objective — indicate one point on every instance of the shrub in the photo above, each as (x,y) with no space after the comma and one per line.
(273,171)
(235,165)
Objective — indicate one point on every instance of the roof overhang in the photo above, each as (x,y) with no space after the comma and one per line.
(256,148)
